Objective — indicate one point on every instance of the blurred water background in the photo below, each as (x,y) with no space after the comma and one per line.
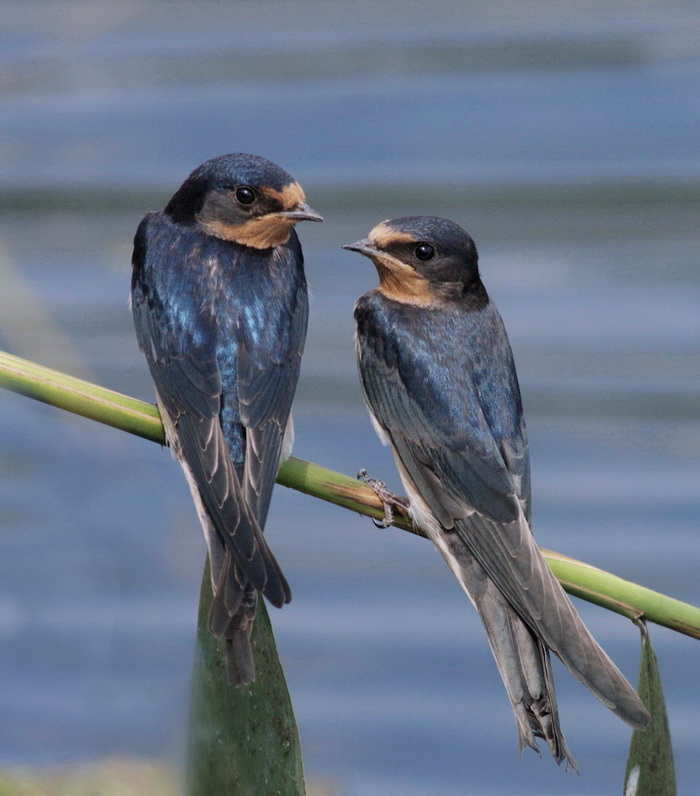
(566,139)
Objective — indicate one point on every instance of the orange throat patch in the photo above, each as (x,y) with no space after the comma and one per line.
(259,233)
(403,284)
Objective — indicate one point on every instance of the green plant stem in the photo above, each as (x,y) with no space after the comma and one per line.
(143,419)
(81,397)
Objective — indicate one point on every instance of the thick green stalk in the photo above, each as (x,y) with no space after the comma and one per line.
(241,740)
(81,397)
(143,419)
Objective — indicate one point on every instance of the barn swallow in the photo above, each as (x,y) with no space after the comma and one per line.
(220,306)
(439,380)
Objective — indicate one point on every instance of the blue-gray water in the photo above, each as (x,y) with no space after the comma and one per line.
(567,140)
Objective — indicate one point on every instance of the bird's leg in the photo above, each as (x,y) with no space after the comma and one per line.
(389,499)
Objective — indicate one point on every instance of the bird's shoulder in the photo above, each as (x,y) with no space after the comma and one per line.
(443,389)
(169,256)
(452,337)
(454,365)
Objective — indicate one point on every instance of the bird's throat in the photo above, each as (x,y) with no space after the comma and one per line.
(261,233)
(405,286)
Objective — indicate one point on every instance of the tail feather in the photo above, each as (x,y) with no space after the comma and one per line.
(522,659)
(544,606)
(239,652)
(522,653)
(239,659)
(231,619)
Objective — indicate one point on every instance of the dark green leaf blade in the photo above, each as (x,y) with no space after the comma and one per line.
(650,769)
(242,740)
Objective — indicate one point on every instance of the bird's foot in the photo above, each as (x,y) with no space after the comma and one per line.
(389,499)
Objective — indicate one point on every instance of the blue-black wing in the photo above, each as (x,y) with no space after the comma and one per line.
(270,342)
(442,389)
(453,410)
(269,360)
(178,334)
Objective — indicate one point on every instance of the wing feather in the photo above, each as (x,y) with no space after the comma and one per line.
(466,457)
(181,354)
(267,383)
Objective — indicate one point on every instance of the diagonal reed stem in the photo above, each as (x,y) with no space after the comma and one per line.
(143,419)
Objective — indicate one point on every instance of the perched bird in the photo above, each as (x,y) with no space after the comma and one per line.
(220,305)
(439,380)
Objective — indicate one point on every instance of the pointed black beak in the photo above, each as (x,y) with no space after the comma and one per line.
(302,212)
(364,246)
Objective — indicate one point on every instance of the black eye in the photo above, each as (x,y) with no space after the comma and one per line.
(245,195)
(425,252)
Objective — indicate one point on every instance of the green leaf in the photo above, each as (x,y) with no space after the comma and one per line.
(650,770)
(243,740)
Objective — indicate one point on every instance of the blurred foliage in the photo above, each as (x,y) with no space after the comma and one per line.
(111,778)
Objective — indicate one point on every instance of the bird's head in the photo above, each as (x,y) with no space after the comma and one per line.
(242,198)
(422,260)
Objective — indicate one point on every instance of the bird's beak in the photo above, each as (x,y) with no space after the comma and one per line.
(364,246)
(302,212)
